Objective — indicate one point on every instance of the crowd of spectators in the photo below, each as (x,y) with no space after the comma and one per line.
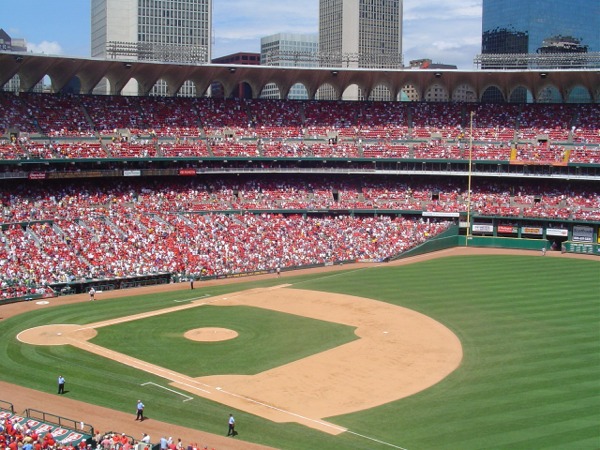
(203,245)
(17,436)
(437,120)
(73,231)
(585,130)
(79,201)
(92,230)
(26,148)
(553,121)
(289,193)
(274,128)
(228,225)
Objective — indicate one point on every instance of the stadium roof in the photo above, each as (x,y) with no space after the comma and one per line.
(90,71)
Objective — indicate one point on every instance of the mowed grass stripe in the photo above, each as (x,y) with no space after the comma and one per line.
(522,405)
(538,437)
(491,427)
(496,424)
(576,438)
(499,391)
(566,372)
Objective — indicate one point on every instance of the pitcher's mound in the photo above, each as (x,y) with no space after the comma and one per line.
(210,334)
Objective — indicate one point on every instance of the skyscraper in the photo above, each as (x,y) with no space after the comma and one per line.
(152,30)
(360,33)
(288,50)
(10,44)
(540,26)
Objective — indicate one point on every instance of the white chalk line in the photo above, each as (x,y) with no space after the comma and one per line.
(293,414)
(143,365)
(308,419)
(389,444)
(192,299)
(146,315)
(187,397)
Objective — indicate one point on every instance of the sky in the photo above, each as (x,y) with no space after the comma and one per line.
(445,31)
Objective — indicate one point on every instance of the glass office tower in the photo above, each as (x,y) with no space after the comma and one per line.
(540,26)
(288,50)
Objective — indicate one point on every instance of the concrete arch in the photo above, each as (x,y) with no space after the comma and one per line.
(327,92)
(436,92)
(32,68)
(492,93)
(519,94)
(578,94)
(412,92)
(464,92)
(381,92)
(548,93)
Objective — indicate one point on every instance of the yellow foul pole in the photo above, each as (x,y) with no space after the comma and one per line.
(469,183)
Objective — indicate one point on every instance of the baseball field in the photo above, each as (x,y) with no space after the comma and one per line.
(462,351)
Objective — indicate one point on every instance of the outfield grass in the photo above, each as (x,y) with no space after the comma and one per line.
(530,377)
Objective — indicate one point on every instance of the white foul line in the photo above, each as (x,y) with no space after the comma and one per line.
(326,424)
(188,398)
(308,419)
(192,299)
(375,440)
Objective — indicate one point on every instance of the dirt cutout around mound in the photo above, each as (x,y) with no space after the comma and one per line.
(210,334)
(399,352)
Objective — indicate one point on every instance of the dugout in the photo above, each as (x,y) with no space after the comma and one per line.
(111,284)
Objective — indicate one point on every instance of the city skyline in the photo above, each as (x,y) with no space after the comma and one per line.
(447,32)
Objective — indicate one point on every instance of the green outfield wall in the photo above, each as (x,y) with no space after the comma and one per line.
(447,239)
(502,242)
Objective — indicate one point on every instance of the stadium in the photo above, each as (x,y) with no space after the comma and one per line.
(362,274)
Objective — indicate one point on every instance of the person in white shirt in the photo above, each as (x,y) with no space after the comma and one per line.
(140,411)
(61,384)
(231,431)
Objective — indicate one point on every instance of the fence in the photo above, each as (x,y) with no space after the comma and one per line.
(7,406)
(62,422)
(587,248)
